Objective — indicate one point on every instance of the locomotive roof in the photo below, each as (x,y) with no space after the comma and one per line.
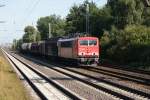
(53,39)
(71,39)
(88,37)
(68,39)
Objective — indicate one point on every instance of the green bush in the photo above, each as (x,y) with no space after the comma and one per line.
(127,46)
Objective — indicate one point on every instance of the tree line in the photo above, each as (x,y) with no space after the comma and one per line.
(123,27)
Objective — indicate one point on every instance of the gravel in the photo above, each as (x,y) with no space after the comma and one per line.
(75,86)
(114,80)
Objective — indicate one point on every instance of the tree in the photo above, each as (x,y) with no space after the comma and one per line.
(38,36)
(76,19)
(126,12)
(99,19)
(31,34)
(146,16)
(16,44)
(57,26)
(102,21)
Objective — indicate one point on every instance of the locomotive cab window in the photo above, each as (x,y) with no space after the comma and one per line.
(84,42)
(92,42)
(88,42)
(66,44)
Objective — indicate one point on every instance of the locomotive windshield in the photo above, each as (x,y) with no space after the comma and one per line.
(88,42)
(92,42)
(83,42)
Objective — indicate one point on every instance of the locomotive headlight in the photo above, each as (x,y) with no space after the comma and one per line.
(81,54)
(94,54)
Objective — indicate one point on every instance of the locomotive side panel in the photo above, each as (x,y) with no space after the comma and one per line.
(66,52)
(65,49)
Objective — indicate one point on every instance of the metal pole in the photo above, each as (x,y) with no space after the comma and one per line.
(87,19)
(35,34)
(50,35)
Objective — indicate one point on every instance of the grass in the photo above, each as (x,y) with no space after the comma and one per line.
(11,87)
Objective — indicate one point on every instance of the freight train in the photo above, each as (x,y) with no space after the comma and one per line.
(81,50)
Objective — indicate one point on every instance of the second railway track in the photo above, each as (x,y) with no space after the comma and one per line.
(128,75)
(125,68)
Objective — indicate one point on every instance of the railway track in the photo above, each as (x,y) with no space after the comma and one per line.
(117,90)
(137,76)
(127,75)
(99,95)
(40,82)
(125,68)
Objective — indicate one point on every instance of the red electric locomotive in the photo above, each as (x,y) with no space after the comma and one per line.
(85,50)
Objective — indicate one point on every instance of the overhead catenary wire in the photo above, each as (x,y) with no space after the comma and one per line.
(2,3)
(27,10)
(30,12)
(28,7)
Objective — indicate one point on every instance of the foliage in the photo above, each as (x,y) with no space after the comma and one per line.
(57,26)
(14,44)
(99,19)
(17,44)
(146,16)
(38,36)
(128,40)
(126,12)
(129,45)
(31,34)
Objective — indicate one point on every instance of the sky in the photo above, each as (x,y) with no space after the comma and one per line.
(19,13)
